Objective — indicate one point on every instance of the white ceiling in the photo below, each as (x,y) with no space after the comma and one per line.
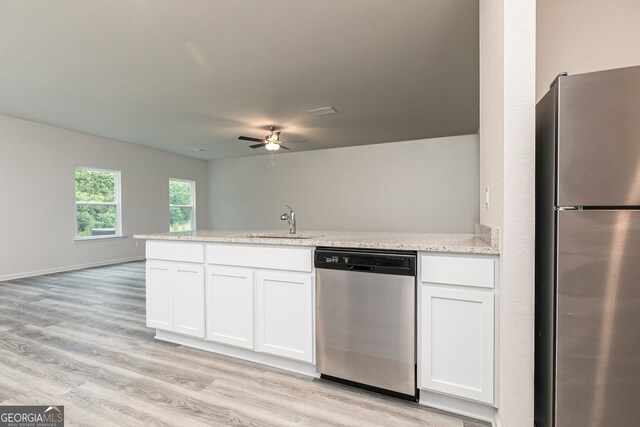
(179,75)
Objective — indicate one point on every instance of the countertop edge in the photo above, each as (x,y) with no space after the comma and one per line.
(489,249)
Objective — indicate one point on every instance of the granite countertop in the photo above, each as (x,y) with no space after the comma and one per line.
(485,241)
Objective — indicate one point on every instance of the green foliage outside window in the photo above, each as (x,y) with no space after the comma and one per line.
(96,220)
(95,187)
(181,205)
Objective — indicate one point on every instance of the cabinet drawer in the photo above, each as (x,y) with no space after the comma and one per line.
(270,257)
(472,270)
(175,251)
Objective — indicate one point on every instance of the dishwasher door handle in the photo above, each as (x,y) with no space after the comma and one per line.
(360,268)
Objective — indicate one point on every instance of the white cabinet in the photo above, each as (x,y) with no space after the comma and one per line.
(175,297)
(261,298)
(251,301)
(456,325)
(261,256)
(457,342)
(159,295)
(229,305)
(284,313)
(188,299)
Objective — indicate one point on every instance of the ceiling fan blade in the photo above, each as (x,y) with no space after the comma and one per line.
(282,146)
(257,145)
(277,134)
(248,138)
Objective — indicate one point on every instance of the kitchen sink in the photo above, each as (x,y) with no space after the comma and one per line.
(275,236)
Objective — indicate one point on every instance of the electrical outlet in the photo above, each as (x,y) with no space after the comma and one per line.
(486,197)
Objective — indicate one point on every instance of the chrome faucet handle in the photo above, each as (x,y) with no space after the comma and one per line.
(290,217)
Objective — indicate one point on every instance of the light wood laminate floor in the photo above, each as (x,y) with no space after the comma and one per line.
(79,339)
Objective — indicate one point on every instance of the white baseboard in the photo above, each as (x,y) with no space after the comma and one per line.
(239,353)
(67,268)
(458,406)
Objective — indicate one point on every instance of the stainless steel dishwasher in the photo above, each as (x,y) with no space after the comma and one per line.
(365,319)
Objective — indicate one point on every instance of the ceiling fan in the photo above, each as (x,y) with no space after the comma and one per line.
(271,142)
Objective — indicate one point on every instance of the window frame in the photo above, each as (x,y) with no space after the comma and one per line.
(192,183)
(117,203)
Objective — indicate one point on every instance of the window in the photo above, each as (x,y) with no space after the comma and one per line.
(97,203)
(182,212)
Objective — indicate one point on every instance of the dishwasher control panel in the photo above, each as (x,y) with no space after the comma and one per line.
(385,262)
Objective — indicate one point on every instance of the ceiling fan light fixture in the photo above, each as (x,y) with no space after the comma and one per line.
(271,142)
(272,146)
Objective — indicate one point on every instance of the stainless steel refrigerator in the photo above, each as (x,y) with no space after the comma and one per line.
(587,357)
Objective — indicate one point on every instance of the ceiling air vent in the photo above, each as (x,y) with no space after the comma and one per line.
(322,111)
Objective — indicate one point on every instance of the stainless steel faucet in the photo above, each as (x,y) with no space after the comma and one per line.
(290,217)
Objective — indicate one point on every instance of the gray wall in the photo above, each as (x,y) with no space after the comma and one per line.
(584,36)
(37,207)
(421,186)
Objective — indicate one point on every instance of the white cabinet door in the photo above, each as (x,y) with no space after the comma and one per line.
(457,342)
(229,305)
(175,297)
(188,299)
(159,290)
(284,314)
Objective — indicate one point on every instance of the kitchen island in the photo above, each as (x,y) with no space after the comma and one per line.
(251,295)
